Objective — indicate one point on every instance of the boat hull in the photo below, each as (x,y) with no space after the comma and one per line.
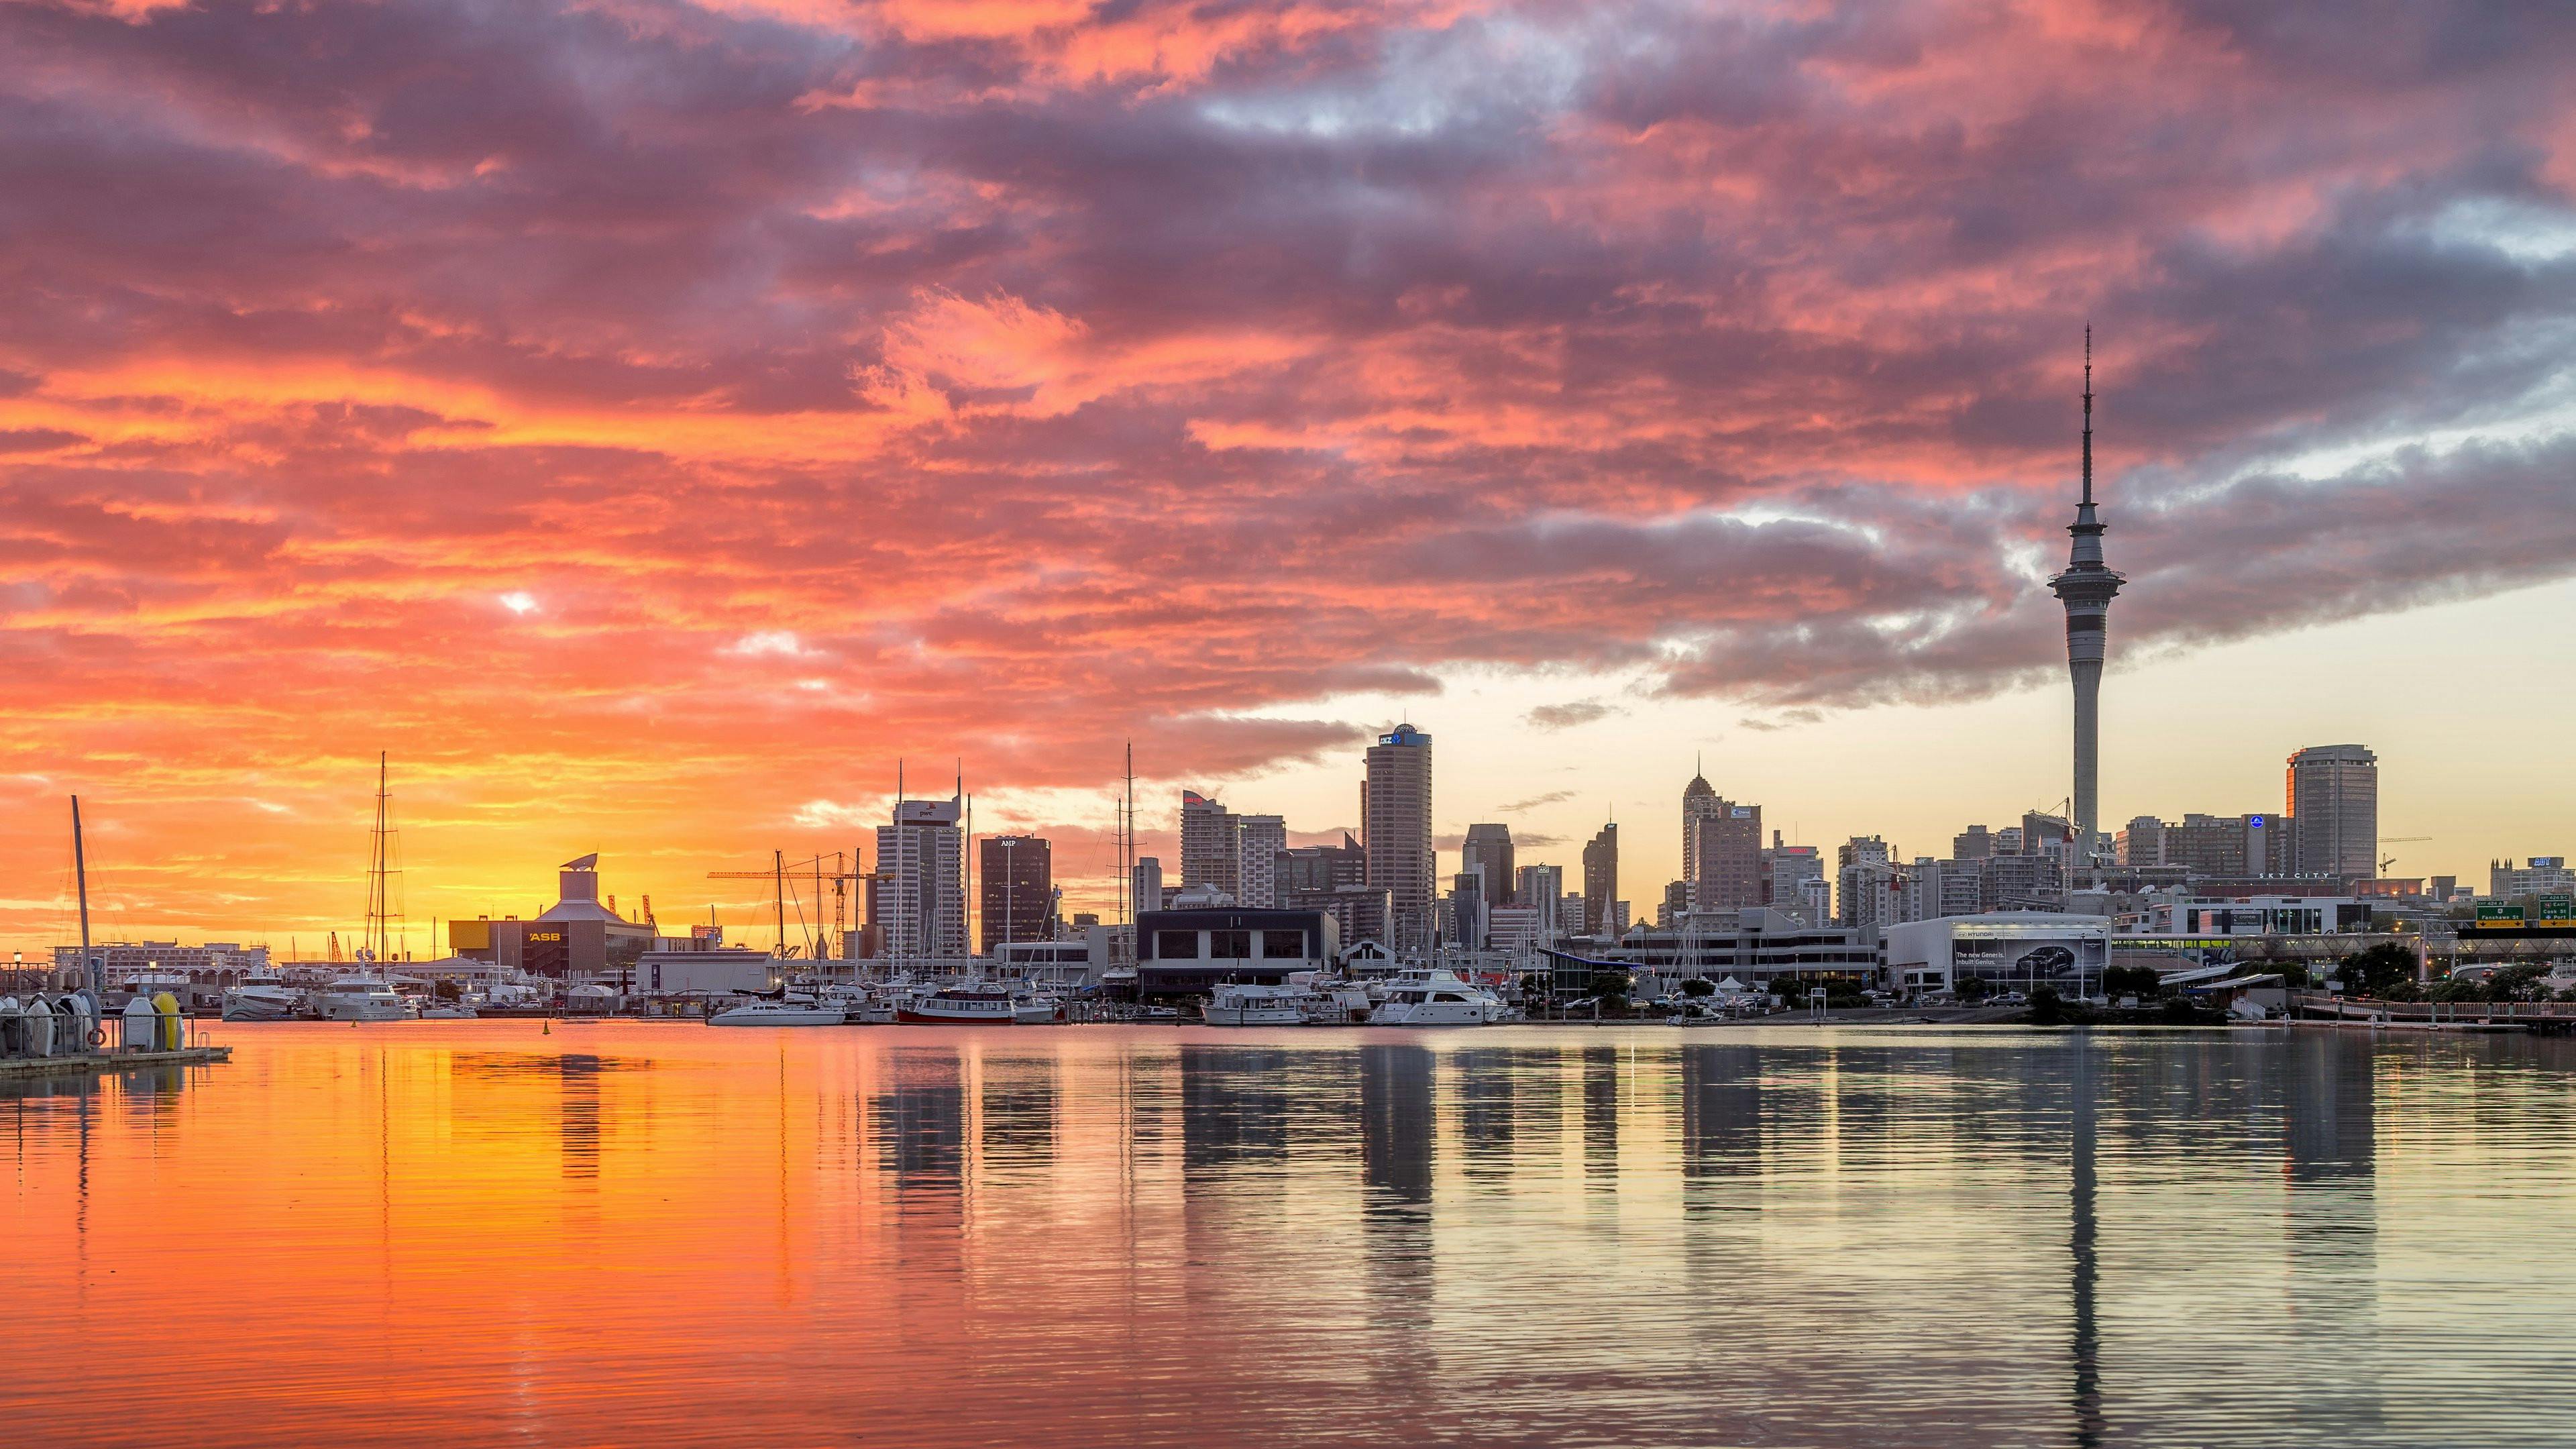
(1254,1016)
(746,1017)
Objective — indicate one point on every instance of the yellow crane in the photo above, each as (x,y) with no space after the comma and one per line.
(2387,861)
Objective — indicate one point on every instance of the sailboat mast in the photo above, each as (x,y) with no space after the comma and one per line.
(379,905)
(80,877)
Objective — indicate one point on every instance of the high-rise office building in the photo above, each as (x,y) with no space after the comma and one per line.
(2141,843)
(1865,884)
(1467,909)
(1259,842)
(1303,869)
(1699,800)
(1211,846)
(1145,886)
(922,891)
(2086,587)
(1601,880)
(1541,887)
(1016,890)
(1488,852)
(2334,811)
(1395,830)
(1974,843)
(1727,853)
(1786,869)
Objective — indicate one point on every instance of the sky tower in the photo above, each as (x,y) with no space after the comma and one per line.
(2086,588)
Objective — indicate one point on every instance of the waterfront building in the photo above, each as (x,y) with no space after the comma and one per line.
(1211,845)
(920,863)
(575,939)
(1259,842)
(1600,879)
(1017,890)
(2334,811)
(1757,946)
(1192,952)
(2086,587)
(214,963)
(707,966)
(2004,948)
(1395,830)
(1488,852)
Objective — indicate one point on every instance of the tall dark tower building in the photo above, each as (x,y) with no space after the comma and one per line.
(2086,588)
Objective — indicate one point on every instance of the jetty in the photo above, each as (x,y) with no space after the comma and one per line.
(20,1069)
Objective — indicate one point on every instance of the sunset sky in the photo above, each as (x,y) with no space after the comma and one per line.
(648,422)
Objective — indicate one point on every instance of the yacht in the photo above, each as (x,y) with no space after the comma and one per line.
(961,1005)
(360,998)
(262,996)
(1437,998)
(1036,1011)
(785,1011)
(1245,1005)
(1335,1003)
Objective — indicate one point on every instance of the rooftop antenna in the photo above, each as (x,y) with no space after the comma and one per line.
(2088,413)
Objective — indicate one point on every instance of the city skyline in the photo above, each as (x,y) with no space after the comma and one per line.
(650,467)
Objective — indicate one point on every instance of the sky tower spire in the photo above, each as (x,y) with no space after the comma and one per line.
(2086,588)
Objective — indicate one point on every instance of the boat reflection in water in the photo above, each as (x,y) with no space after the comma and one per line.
(1524,1235)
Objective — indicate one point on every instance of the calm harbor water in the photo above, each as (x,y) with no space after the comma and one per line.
(437,1233)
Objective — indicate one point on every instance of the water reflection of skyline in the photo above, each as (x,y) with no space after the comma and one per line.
(1974,1239)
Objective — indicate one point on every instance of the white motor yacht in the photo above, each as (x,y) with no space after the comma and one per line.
(1438,998)
(360,998)
(1036,1011)
(262,996)
(961,1005)
(785,1011)
(1248,1005)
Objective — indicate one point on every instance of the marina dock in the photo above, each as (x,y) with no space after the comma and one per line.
(19,1069)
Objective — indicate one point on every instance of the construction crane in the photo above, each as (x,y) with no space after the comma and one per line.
(2387,861)
(781,870)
